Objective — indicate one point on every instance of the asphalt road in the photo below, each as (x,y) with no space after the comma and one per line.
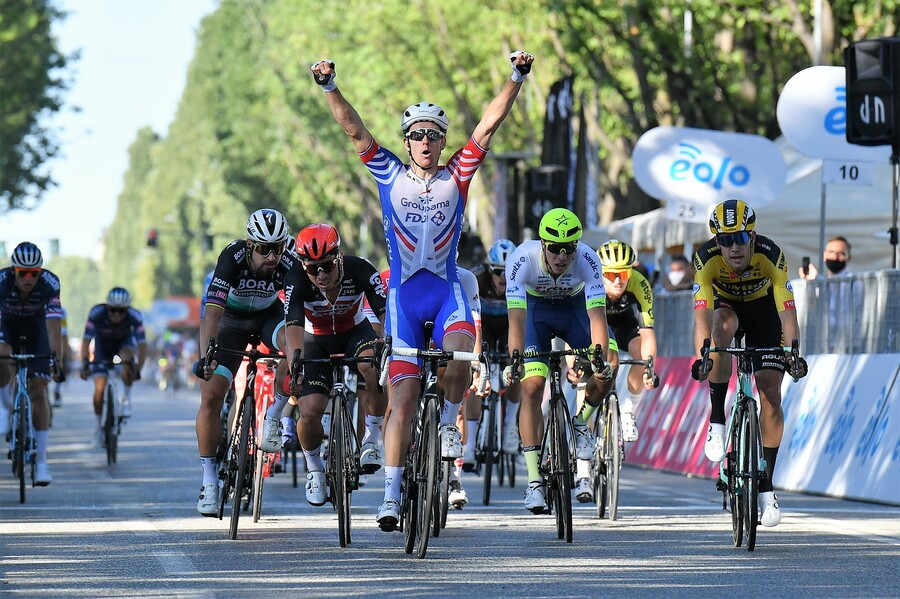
(132,530)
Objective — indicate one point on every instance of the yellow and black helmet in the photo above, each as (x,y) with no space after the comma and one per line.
(616,255)
(732,216)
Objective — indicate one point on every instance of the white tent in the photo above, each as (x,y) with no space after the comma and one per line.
(861,214)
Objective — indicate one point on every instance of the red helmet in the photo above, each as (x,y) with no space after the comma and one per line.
(317,241)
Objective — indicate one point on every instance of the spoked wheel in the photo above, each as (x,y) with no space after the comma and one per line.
(734,491)
(258,482)
(489,451)
(445,494)
(20,431)
(750,474)
(243,466)
(109,426)
(613,452)
(409,504)
(429,463)
(340,491)
(561,473)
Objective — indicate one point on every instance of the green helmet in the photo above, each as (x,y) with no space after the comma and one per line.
(560,225)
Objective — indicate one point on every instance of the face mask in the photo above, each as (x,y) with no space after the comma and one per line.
(676,276)
(835,266)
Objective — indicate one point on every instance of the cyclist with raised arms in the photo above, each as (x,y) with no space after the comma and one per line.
(495,328)
(29,307)
(324,315)
(741,280)
(422,206)
(554,287)
(116,329)
(241,303)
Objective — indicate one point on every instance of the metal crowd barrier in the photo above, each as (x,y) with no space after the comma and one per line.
(853,314)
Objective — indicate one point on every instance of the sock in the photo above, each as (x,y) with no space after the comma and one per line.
(631,401)
(392,477)
(456,471)
(532,462)
(128,393)
(582,469)
(274,411)
(769,454)
(717,392)
(584,414)
(208,463)
(287,424)
(472,425)
(40,441)
(314,461)
(373,429)
(449,413)
(99,422)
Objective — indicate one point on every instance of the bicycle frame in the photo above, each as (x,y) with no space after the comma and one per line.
(22,447)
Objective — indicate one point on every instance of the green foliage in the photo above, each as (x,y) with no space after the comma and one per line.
(79,291)
(253,130)
(31,86)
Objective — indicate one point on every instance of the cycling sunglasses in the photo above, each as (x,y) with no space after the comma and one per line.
(729,239)
(264,249)
(420,134)
(117,310)
(500,272)
(561,248)
(28,273)
(313,268)
(612,276)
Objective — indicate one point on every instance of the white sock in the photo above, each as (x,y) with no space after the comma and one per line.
(392,477)
(128,393)
(472,425)
(582,468)
(40,441)
(373,429)
(274,411)
(449,413)
(314,461)
(631,402)
(287,423)
(512,414)
(208,463)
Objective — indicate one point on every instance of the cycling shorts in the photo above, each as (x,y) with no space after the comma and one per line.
(566,319)
(319,378)
(37,342)
(762,328)
(106,350)
(421,298)
(238,329)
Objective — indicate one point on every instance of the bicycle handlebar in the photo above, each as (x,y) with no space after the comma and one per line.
(648,368)
(439,354)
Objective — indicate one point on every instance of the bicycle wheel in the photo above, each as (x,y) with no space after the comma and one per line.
(599,462)
(20,430)
(734,488)
(340,491)
(749,461)
(489,450)
(429,462)
(409,497)
(243,464)
(109,426)
(445,494)
(258,481)
(613,452)
(561,471)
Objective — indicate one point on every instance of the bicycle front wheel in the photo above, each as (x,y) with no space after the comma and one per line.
(561,470)
(749,461)
(109,426)
(20,444)
(489,449)
(340,492)
(258,481)
(613,451)
(243,465)
(445,493)
(735,499)
(427,474)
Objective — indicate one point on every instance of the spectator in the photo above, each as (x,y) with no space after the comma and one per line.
(837,257)
(680,275)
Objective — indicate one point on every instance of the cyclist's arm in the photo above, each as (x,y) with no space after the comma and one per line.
(294,336)
(495,113)
(209,325)
(599,326)
(142,355)
(347,117)
(516,339)
(704,301)
(790,329)
(54,332)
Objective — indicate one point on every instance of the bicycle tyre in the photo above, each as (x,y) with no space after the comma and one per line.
(109,426)
(429,463)
(243,459)
(445,494)
(21,432)
(258,482)
(614,457)
(750,474)
(511,470)
(409,486)
(489,451)
(562,472)
(501,468)
(228,465)
(599,464)
(734,498)
(340,492)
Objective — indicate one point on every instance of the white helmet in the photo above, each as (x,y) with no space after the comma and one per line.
(27,255)
(499,252)
(424,111)
(118,297)
(267,226)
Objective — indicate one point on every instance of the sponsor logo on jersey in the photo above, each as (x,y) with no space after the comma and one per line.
(267,286)
(700,304)
(789,305)
(438,218)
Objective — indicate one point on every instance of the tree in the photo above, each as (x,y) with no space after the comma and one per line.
(31,87)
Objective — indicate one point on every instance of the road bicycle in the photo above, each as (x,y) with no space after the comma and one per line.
(342,468)
(609,452)
(236,470)
(22,448)
(557,448)
(264,461)
(112,415)
(488,450)
(420,510)
(744,467)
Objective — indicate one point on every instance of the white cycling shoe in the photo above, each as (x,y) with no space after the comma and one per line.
(584,490)
(451,442)
(535,499)
(584,442)
(388,515)
(629,428)
(271,437)
(715,442)
(208,504)
(458,497)
(316,491)
(771,513)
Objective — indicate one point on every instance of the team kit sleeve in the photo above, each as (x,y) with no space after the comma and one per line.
(703,280)
(226,270)
(781,284)
(643,292)
(375,293)
(590,272)
(294,309)
(137,325)
(516,278)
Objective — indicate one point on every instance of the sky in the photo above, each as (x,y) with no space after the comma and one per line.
(132,71)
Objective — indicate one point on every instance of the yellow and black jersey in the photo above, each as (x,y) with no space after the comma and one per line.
(636,300)
(767,270)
